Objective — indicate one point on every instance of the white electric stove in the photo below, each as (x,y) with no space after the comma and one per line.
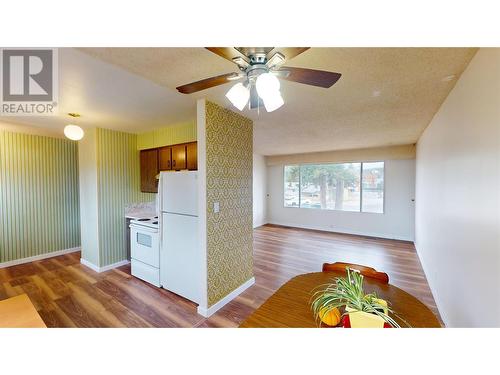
(145,249)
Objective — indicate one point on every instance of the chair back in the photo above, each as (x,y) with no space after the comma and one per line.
(364,270)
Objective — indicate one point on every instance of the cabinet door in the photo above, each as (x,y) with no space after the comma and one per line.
(149,170)
(192,156)
(179,157)
(165,158)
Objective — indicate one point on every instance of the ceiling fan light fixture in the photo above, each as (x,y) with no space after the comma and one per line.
(238,95)
(273,102)
(276,60)
(267,85)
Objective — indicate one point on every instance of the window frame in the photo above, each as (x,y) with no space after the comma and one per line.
(333,209)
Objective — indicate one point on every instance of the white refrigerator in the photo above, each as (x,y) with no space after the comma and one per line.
(180,255)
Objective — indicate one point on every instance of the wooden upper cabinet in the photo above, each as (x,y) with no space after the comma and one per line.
(192,156)
(149,171)
(165,158)
(179,157)
(176,157)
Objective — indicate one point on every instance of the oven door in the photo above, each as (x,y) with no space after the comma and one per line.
(145,245)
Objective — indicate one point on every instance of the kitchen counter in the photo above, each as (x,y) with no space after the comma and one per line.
(134,215)
(140,211)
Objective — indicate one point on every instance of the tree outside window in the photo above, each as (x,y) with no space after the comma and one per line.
(335,186)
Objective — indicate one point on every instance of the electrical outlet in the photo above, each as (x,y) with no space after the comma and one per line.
(216,207)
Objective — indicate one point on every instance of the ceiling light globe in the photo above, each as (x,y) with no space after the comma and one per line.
(267,84)
(73,132)
(238,95)
(273,102)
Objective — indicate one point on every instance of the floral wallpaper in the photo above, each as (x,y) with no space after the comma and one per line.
(229,138)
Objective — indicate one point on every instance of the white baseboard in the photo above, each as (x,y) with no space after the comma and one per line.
(95,268)
(256,225)
(114,265)
(217,306)
(92,266)
(345,231)
(39,257)
(433,292)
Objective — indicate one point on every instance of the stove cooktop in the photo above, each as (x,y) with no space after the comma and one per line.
(147,222)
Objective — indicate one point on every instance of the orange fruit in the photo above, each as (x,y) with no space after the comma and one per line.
(330,318)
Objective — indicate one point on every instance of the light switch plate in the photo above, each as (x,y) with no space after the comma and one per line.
(216,207)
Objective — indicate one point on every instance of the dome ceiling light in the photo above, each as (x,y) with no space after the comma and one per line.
(73,132)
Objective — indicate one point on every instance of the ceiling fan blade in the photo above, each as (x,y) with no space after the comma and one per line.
(288,52)
(229,53)
(320,78)
(207,83)
(280,73)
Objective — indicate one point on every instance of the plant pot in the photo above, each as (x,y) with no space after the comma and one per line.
(361,319)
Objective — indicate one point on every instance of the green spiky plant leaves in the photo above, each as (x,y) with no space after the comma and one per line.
(348,292)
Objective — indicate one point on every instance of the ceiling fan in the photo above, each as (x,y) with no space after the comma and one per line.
(260,71)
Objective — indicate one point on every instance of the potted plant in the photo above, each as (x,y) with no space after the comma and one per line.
(364,310)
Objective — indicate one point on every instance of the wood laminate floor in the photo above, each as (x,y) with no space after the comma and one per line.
(68,294)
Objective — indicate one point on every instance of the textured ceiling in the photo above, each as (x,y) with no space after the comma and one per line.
(133,89)
(409,82)
(109,97)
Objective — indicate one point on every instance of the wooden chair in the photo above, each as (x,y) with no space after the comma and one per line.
(364,270)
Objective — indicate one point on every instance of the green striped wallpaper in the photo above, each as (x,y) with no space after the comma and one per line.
(169,135)
(39,208)
(118,184)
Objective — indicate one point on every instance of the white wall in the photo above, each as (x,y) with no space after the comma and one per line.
(89,223)
(457,197)
(397,221)
(259,190)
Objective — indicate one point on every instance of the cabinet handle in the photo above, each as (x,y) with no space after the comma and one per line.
(173,163)
(168,164)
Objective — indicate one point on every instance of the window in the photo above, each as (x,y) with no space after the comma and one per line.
(340,186)
(330,186)
(291,187)
(373,187)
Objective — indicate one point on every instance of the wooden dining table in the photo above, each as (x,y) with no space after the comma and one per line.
(290,305)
